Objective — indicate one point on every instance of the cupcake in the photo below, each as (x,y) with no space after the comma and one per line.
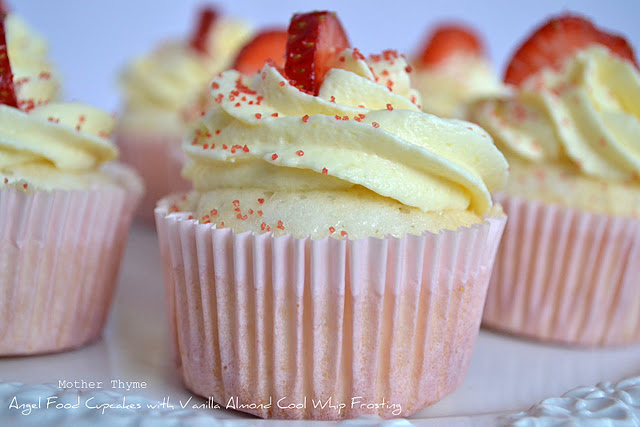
(65,207)
(568,268)
(333,258)
(162,94)
(453,70)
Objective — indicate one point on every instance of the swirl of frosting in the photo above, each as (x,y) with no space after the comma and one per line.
(33,74)
(585,116)
(268,134)
(43,140)
(171,77)
(450,86)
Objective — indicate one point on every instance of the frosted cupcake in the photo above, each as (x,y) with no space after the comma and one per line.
(568,268)
(339,242)
(453,70)
(162,94)
(64,207)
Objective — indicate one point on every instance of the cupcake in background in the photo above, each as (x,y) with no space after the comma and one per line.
(268,44)
(162,94)
(453,70)
(339,242)
(569,266)
(65,206)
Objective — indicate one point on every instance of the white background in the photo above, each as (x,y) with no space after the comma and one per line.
(92,40)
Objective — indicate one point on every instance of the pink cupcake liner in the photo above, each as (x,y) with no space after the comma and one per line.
(59,258)
(279,321)
(158,158)
(566,276)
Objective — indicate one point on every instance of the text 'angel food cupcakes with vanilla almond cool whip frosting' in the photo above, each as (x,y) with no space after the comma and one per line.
(569,266)
(65,207)
(334,257)
(163,93)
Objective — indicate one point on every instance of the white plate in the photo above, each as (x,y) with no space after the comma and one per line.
(506,376)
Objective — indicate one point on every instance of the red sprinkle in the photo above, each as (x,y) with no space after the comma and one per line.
(300,153)
(224,146)
(332,230)
(274,115)
(375,125)
(217,131)
(389,107)
(260,213)
(213,212)
(281,83)
(274,156)
(280,225)
(305,118)
(325,171)
(236,203)
(6,181)
(333,99)
(343,233)
(215,85)
(261,201)
(258,115)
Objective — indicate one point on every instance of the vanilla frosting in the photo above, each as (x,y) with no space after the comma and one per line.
(361,130)
(34,76)
(169,79)
(585,116)
(448,87)
(46,144)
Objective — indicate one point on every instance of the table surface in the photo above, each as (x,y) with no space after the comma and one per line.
(506,375)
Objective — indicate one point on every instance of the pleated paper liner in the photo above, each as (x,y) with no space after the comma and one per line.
(293,328)
(59,258)
(566,276)
(158,158)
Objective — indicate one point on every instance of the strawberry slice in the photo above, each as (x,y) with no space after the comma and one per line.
(315,39)
(206,19)
(268,44)
(448,40)
(7,89)
(555,41)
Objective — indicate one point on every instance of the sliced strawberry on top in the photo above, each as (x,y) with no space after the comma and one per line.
(555,41)
(448,40)
(314,40)
(268,44)
(7,89)
(206,19)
